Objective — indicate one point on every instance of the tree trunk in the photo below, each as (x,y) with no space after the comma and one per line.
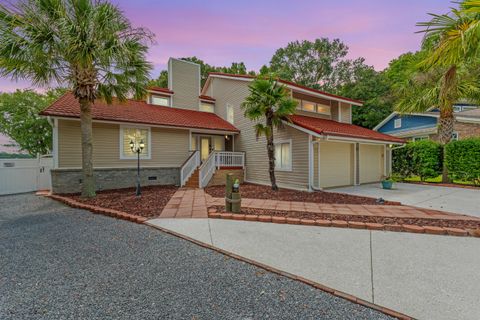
(446,121)
(271,153)
(88,182)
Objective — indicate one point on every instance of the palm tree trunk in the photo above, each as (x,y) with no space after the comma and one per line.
(88,182)
(271,153)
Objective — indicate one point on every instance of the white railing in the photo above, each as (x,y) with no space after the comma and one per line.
(206,171)
(188,168)
(229,159)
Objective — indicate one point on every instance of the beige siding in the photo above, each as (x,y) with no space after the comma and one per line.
(234,92)
(346,113)
(106,146)
(185,84)
(371,164)
(336,164)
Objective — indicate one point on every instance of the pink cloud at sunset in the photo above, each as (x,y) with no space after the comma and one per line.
(221,32)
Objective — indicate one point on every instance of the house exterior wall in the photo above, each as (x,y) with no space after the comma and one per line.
(464,130)
(409,122)
(234,92)
(345,113)
(106,146)
(184,81)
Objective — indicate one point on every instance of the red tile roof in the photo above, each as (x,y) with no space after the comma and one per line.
(136,111)
(207,98)
(334,128)
(289,83)
(159,89)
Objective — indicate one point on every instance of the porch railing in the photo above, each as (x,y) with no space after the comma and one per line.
(206,171)
(189,167)
(229,159)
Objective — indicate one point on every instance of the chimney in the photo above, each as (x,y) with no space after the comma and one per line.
(184,81)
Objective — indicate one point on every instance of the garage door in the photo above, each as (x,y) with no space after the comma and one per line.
(336,164)
(371,163)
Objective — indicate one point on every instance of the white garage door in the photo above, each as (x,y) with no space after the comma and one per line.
(371,163)
(336,164)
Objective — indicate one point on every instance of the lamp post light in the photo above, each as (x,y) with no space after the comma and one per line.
(137,148)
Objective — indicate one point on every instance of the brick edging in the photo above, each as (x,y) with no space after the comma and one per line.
(306,281)
(96,209)
(348,224)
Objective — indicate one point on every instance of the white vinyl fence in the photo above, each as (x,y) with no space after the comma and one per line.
(25,175)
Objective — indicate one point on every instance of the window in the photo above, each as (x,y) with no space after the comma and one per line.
(283,156)
(308,106)
(321,108)
(136,135)
(455,136)
(160,101)
(419,138)
(397,123)
(230,113)
(207,107)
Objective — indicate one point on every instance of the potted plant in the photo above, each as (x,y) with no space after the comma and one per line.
(387,182)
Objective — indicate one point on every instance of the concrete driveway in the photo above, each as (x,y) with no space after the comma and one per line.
(457,200)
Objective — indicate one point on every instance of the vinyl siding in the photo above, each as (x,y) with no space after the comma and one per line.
(346,113)
(185,84)
(106,146)
(234,92)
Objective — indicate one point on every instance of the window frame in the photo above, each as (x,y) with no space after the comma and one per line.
(206,104)
(315,107)
(152,96)
(148,156)
(289,142)
(399,125)
(457,136)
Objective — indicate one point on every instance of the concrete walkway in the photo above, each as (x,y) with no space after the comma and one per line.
(424,276)
(458,200)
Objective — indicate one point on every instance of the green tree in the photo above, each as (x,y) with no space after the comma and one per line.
(88,46)
(268,105)
(19,119)
(320,64)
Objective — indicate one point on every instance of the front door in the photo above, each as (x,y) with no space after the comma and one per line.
(205,147)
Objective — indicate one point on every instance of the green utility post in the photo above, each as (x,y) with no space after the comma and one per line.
(228,192)
(236,198)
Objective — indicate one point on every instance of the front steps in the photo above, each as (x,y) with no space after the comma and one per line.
(193,181)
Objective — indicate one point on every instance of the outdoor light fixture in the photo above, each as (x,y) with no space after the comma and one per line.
(137,148)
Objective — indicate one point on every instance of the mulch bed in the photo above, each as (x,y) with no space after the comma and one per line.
(255,191)
(149,204)
(462,224)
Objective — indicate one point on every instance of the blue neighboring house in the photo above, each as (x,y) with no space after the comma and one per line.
(422,126)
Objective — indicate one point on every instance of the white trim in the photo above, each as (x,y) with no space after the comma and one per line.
(340,112)
(457,118)
(355,167)
(200,130)
(170,75)
(397,123)
(385,160)
(292,87)
(145,157)
(284,141)
(384,121)
(310,162)
(364,141)
(54,141)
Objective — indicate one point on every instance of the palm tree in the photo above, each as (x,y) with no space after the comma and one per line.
(269,101)
(87,45)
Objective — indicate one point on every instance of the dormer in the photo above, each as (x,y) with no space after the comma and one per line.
(159,96)
(207,104)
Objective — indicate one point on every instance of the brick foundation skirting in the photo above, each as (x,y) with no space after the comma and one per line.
(212,213)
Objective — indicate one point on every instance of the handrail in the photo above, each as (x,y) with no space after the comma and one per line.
(229,159)
(206,170)
(189,166)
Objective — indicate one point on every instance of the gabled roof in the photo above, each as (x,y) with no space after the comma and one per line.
(136,111)
(288,84)
(334,128)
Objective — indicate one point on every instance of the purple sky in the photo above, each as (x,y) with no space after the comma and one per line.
(220,32)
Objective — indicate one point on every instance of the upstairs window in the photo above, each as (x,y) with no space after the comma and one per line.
(313,107)
(283,156)
(397,123)
(160,101)
(230,113)
(207,107)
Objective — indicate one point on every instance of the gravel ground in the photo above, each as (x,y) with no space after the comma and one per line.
(63,263)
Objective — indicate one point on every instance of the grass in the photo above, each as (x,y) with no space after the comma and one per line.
(437,180)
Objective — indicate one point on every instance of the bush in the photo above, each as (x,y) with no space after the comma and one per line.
(462,159)
(421,158)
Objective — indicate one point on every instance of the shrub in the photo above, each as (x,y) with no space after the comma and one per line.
(421,158)
(462,159)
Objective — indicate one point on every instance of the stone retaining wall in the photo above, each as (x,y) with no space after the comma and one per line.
(69,180)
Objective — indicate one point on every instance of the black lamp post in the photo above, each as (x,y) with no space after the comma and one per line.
(137,148)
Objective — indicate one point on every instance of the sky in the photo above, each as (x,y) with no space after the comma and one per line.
(221,32)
